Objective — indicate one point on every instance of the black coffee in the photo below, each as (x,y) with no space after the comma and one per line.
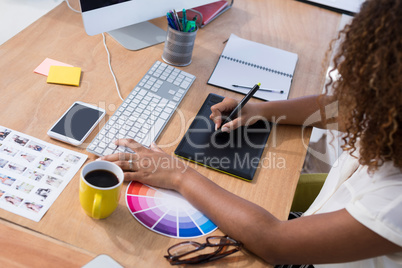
(101,178)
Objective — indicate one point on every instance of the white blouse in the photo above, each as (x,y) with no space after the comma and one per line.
(373,200)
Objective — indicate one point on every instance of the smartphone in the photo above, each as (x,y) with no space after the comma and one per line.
(76,123)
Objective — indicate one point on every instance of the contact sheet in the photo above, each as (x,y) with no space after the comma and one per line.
(33,173)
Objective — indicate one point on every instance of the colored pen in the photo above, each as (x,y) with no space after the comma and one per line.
(173,20)
(169,15)
(172,25)
(177,20)
(184,19)
(170,19)
(241,104)
(262,89)
(170,22)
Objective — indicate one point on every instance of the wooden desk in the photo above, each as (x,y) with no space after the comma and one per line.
(21,247)
(31,106)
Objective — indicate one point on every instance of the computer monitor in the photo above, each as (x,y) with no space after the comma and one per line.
(127,20)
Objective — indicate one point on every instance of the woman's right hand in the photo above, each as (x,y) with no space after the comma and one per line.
(248,115)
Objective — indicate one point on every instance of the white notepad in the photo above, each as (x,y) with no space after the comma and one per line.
(247,63)
(347,6)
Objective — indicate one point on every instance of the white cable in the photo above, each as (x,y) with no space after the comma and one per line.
(110,66)
(108,54)
(68,4)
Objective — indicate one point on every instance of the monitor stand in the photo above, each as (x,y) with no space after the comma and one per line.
(139,36)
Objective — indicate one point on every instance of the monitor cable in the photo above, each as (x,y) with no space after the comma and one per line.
(68,4)
(110,66)
(107,51)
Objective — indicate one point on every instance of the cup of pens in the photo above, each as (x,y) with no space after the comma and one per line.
(180,39)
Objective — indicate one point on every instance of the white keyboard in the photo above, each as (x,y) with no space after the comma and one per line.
(146,111)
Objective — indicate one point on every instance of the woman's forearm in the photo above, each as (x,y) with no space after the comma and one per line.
(231,213)
(307,111)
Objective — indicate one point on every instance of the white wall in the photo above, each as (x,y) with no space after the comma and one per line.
(16,15)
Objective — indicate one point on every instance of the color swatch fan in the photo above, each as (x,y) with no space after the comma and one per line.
(166,212)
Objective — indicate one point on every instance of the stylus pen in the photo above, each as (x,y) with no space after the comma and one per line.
(263,89)
(241,104)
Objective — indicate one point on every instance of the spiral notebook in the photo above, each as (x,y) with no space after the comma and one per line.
(245,63)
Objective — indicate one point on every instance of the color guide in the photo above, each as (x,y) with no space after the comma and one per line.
(166,212)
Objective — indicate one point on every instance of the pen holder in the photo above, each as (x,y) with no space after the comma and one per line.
(179,46)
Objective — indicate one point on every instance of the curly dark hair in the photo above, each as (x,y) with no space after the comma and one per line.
(368,91)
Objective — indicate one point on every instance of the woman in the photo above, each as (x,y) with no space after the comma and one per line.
(356,219)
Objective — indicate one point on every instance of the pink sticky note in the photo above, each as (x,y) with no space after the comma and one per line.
(44,67)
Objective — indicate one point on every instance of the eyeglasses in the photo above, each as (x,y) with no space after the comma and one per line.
(215,248)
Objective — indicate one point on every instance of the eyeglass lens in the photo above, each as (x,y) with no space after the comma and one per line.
(221,241)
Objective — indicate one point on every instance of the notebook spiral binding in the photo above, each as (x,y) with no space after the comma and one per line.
(257,66)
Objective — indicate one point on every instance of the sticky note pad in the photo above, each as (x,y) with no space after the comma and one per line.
(44,67)
(64,75)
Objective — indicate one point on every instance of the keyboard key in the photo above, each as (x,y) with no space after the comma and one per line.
(99,150)
(154,131)
(164,115)
(184,84)
(172,104)
(140,121)
(108,151)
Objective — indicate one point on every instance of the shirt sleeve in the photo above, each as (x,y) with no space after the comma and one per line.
(380,210)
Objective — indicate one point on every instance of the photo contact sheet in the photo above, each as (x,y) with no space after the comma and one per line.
(33,173)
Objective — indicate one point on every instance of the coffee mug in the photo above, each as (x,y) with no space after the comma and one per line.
(100,187)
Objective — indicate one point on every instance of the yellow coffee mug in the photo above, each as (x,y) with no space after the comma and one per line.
(99,202)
